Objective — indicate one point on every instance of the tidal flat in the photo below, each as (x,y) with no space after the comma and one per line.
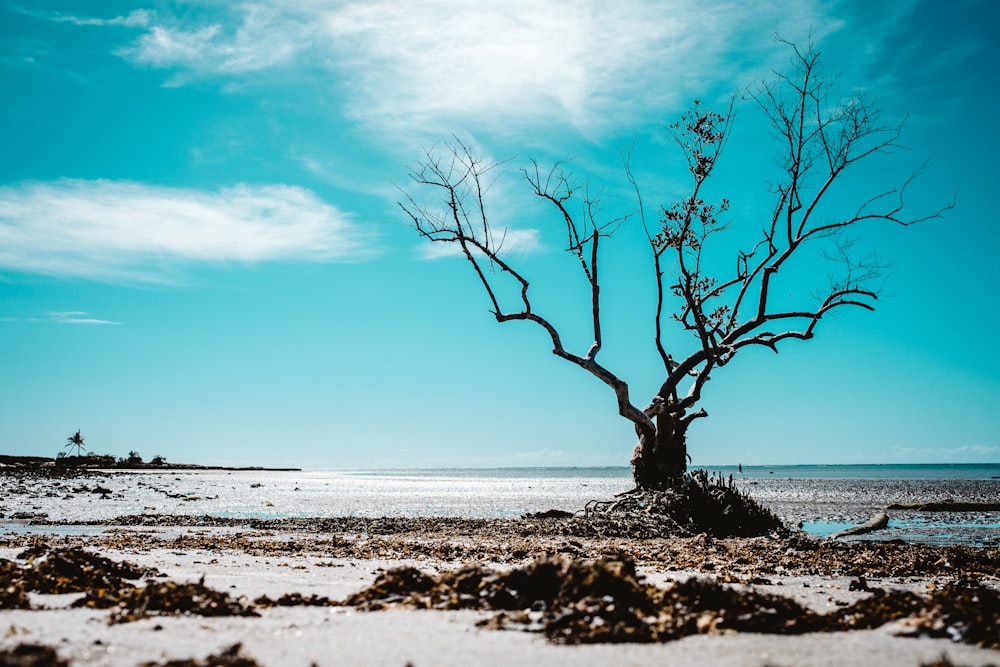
(401,588)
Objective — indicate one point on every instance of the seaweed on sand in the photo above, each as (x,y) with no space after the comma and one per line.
(164,598)
(58,571)
(293,600)
(74,570)
(962,611)
(576,601)
(108,584)
(230,657)
(31,655)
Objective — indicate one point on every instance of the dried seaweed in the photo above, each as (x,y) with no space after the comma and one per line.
(517,541)
(164,598)
(230,657)
(31,655)
(62,570)
(294,600)
(575,601)
(945,661)
(107,584)
(961,611)
(74,570)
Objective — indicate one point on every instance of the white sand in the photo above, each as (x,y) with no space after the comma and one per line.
(339,636)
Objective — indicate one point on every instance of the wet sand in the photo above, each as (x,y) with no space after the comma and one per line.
(335,557)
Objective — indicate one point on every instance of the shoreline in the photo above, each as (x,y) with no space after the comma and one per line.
(821,506)
(309,561)
(343,558)
(42,465)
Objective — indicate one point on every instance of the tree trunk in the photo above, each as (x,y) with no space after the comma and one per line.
(660,461)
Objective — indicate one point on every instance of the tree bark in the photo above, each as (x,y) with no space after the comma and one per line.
(660,461)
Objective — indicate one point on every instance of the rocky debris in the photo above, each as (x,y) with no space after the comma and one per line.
(576,601)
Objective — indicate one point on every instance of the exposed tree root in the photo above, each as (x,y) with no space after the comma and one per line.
(700,504)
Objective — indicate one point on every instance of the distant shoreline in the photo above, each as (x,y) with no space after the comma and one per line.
(828,471)
(38,463)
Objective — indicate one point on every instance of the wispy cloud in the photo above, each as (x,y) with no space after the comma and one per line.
(111,230)
(492,64)
(66,317)
(509,242)
(77,317)
(136,19)
(263,38)
(500,65)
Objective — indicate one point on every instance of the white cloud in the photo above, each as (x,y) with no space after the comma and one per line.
(121,229)
(264,38)
(428,66)
(66,317)
(77,317)
(495,64)
(135,19)
(509,241)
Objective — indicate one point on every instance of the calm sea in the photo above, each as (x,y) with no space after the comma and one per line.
(914,471)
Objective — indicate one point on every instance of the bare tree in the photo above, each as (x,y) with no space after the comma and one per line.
(821,137)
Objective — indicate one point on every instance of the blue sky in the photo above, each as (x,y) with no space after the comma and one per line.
(201,254)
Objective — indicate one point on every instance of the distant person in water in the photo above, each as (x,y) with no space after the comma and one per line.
(739,468)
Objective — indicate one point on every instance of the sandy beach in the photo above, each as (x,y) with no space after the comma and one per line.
(329,560)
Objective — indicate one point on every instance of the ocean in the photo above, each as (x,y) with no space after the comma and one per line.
(914,471)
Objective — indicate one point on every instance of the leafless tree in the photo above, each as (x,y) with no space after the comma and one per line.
(821,137)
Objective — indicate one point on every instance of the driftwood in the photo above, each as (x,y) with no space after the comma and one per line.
(947,505)
(877,522)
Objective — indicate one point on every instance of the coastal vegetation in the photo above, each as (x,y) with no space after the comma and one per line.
(723,282)
(76,441)
(89,462)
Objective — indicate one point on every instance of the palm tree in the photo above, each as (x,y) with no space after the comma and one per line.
(76,440)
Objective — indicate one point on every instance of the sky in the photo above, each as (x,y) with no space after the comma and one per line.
(202,256)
